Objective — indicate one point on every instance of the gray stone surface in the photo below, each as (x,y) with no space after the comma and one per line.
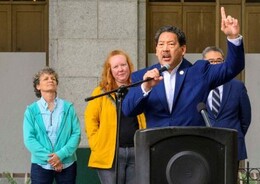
(118,20)
(77,19)
(82,33)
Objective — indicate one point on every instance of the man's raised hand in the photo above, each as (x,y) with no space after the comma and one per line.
(229,25)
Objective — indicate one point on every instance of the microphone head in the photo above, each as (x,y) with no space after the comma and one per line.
(164,68)
(201,106)
(167,67)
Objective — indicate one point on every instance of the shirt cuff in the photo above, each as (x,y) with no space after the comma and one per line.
(144,92)
(236,41)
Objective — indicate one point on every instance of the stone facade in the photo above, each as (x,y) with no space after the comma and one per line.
(82,33)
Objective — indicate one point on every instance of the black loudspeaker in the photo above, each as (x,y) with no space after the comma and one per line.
(186,155)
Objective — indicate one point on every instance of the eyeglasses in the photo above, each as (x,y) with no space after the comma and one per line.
(215,61)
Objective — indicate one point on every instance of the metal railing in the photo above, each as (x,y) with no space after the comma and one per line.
(248,175)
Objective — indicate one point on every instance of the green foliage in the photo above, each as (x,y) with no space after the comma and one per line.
(11,180)
(243,178)
(9,177)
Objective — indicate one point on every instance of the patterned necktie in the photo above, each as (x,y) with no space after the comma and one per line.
(215,102)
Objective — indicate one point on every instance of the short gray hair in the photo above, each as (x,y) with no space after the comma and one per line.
(36,79)
(212,48)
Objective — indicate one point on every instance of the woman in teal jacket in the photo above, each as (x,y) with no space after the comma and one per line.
(51,131)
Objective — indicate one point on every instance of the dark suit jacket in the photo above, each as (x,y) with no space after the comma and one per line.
(193,84)
(234,113)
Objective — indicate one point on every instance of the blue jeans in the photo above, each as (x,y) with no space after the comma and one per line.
(44,176)
(126,169)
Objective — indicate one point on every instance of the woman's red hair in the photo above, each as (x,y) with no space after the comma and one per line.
(108,82)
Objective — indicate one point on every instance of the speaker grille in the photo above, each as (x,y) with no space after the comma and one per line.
(187,167)
(187,160)
(186,155)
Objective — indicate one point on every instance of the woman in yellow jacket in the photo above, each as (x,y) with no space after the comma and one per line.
(101,124)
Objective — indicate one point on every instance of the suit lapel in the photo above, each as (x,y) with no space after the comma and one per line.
(180,76)
(160,91)
(225,95)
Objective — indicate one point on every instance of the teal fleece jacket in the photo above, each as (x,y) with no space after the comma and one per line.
(37,141)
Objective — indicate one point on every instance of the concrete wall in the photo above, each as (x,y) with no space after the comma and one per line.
(82,33)
(16,71)
(252,81)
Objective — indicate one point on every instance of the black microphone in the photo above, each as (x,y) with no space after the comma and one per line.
(161,70)
(201,107)
(164,68)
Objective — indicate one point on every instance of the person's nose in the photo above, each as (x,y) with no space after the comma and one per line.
(165,47)
(120,68)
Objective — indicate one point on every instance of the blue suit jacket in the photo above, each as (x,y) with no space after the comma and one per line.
(234,113)
(193,84)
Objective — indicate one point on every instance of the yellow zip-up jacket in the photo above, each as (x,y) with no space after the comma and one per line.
(100,126)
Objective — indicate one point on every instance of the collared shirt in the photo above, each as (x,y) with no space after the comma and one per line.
(169,83)
(210,96)
(52,121)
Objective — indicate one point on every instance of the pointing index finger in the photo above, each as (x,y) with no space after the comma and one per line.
(223,13)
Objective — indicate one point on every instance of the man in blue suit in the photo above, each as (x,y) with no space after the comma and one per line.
(171,99)
(235,110)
